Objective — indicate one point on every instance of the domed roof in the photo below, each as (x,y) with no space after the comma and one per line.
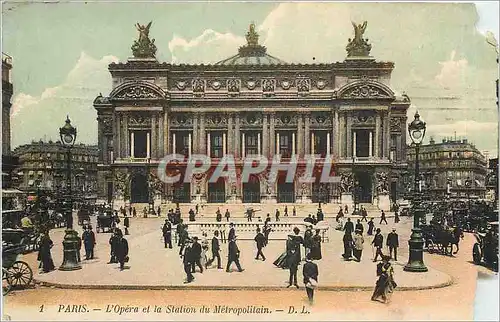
(252,53)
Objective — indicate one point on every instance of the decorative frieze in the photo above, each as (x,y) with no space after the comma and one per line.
(268,86)
(137,91)
(198,86)
(233,86)
(139,120)
(395,124)
(303,86)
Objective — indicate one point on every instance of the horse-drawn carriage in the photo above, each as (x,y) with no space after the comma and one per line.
(28,238)
(105,221)
(84,214)
(440,239)
(15,273)
(485,250)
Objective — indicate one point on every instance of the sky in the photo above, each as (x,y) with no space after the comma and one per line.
(442,59)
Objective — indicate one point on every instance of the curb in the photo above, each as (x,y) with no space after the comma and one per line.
(231,288)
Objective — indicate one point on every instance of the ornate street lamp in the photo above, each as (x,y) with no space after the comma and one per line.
(416,129)
(71,239)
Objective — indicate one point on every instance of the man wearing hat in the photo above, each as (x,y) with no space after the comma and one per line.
(187,260)
(232,232)
(196,255)
(293,255)
(260,240)
(378,242)
(308,236)
(393,243)
(233,255)
(88,238)
(358,244)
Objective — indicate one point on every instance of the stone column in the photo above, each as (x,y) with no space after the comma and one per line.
(132,152)
(402,146)
(272,135)
(116,135)
(237,136)
(230,134)
(278,143)
(307,134)
(208,145)
(300,135)
(312,144)
(161,151)
(153,136)
(126,136)
(265,136)
(293,143)
(148,145)
(387,134)
(370,144)
(166,133)
(224,144)
(377,135)
(259,151)
(196,140)
(348,137)
(190,143)
(204,148)
(328,143)
(340,137)
(173,143)
(354,137)
(335,135)
(243,152)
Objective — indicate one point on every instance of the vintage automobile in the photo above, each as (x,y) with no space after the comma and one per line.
(485,250)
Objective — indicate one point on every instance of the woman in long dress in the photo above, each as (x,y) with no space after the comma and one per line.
(316,246)
(44,255)
(385,284)
(348,243)
(282,261)
(204,249)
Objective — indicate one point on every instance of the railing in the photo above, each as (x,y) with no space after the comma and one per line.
(216,196)
(286,197)
(251,197)
(247,230)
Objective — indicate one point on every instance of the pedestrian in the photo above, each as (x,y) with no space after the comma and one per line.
(218,216)
(316,246)
(267,231)
(167,234)
(285,212)
(197,208)
(187,261)
(359,226)
(314,220)
(378,242)
(385,284)
(145,212)
(319,214)
(293,255)
(260,241)
(382,218)
(134,212)
(126,224)
(371,226)
(232,232)
(227,215)
(183,237)
(396,217)
(191,215)
(121,249)
(340,214)
(358,244)
(308,235)
(196,255)
(393,243)
(346,210)
(268,219)
(364,214)
(348,245)
(310,273)
(277,215)
(249,214)
(294,211)
(130,210)
(78,248)
(215,251)
(204,249)
(88,238)
(158,211)
(349,226)
(308,219)
(222,231)
(178,231)
(113,243)
(44,253)
(233,255)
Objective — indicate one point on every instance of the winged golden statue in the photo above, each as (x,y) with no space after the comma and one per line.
(359,30)
(143,31)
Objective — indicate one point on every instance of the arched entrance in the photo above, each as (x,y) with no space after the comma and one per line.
(363,187)
(139,190)
(251,190)
(286,190)
(217,191)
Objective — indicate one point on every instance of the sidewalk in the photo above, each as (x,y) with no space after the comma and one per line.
(152,266)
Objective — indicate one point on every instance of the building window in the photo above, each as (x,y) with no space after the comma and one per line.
(362,146)
(320,143)
(285,144)
(139,147)
(251,143)
(216,145)
(182,143)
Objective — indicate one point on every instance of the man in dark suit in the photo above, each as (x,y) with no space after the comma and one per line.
(378,242)
(310,272)
(293,255)
(232,232)
(183,236)
(359,226)
(364,214)
(187,260)
(126,224)
(393,243)
(167,233)
(260,240)
(382,218)
(196,255)
(349,226)
(215,251)
(233,255)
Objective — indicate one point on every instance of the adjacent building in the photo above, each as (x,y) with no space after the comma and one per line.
(454,168)
(252,103)
(43,165)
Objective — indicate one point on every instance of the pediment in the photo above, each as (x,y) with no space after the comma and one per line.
(137,90)
(365,89)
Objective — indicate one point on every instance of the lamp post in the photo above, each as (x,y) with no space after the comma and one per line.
(416,129)
(71,239)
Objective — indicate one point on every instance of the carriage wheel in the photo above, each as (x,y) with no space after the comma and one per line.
(20,274)
(476,254)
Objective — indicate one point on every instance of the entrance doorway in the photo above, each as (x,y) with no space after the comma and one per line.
(363,187)
(394,191)
(251,190)
(139,190)
(217,191)
(286,190)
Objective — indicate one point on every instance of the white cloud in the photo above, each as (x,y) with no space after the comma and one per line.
(34,117)
(452,72)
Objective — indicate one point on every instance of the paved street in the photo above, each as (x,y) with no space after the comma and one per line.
(153,266)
